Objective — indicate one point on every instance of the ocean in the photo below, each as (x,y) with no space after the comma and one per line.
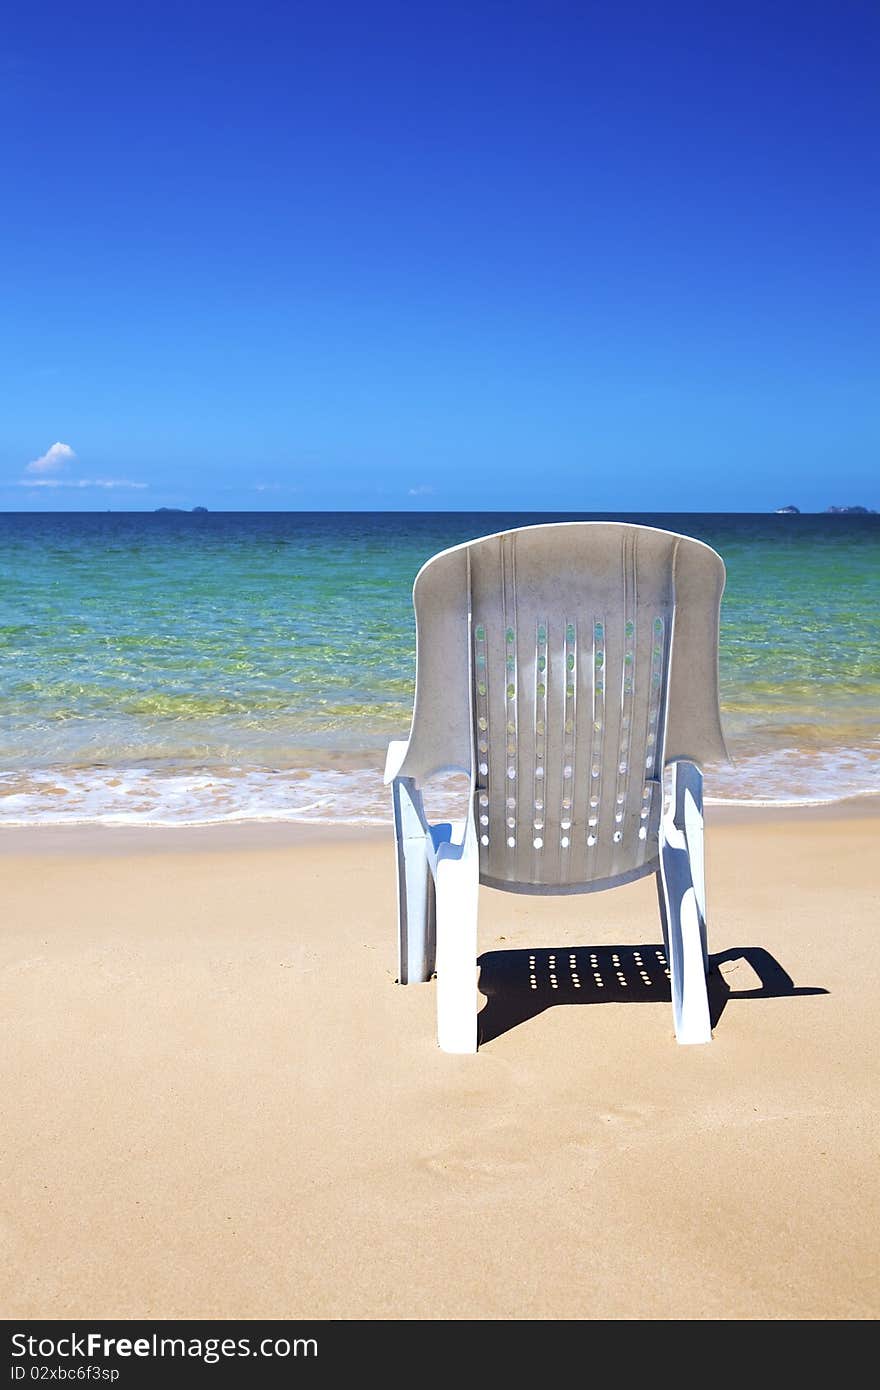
(180,669)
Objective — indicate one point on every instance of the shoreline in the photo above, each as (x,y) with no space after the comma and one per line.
(347,787)
(93,837)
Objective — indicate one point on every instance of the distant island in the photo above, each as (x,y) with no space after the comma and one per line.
(829,511)
(178,510)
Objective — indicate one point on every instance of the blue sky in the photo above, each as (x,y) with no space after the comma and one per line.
(462,256)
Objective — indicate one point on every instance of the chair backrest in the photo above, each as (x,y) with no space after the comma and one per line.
(562,667)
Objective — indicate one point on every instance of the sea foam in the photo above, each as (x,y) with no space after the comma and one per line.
(356,795)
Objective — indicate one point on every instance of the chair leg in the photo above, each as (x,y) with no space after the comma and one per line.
(681,874)
(457,998)
(661,902)
(415,886)
(694,835)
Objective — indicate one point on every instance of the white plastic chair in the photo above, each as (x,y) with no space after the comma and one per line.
(564,669)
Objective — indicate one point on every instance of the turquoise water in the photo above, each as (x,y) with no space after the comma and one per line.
(178,668)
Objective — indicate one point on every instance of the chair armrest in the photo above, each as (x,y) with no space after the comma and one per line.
(685,809)
(397,749)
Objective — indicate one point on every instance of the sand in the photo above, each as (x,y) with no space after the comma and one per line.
(217,1102)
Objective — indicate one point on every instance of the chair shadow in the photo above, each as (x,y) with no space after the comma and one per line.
(519,985)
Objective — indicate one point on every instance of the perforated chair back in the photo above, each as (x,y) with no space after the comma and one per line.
(561,666)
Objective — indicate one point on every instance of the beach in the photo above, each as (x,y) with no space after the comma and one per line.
(459,423)
(218,1103)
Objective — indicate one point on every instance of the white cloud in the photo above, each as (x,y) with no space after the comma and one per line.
(56,457)
(79,482)
(55,460)
(423,491)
